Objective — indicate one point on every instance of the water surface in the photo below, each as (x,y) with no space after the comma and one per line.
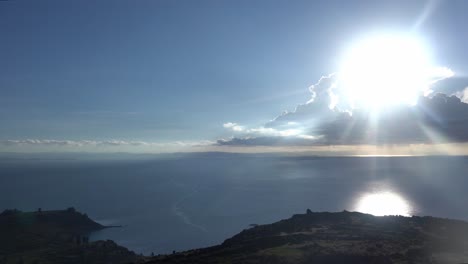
(200,200)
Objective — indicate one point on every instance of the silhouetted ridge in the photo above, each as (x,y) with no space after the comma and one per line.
(60,236)
(68,220)
(344,237)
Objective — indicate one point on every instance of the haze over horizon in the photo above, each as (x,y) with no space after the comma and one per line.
(328,78)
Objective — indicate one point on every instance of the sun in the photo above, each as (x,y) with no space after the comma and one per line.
(385,70)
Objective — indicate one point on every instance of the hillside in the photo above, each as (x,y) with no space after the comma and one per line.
(55,237)
(345,237)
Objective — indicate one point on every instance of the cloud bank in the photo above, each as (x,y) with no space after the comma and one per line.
(325,120)
(101,145)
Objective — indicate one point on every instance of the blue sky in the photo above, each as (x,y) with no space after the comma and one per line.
(176,71)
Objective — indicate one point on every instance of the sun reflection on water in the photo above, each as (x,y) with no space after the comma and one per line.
(383,203)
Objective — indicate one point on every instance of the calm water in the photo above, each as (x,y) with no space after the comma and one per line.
(197,201)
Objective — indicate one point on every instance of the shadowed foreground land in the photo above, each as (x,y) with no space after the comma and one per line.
(55,237)
(346,237)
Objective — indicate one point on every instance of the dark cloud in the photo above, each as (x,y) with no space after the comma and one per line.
(329,118)
(446,115)
(436,119)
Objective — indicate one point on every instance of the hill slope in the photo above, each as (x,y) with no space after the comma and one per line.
(345,237)
(55,237)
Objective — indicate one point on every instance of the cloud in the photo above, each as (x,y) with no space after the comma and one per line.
(439,119)
(319,108)
(324,120)
(265,135)
(463,95)
(266,141)
(100,143)
(48,142)
(234,127)
(441,73)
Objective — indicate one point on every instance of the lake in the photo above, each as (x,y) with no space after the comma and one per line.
(198,200)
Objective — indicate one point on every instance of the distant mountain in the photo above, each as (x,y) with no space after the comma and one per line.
(345,237)
(55,237)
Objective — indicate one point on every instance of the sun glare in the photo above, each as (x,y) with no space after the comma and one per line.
(385,203)
(385,70)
